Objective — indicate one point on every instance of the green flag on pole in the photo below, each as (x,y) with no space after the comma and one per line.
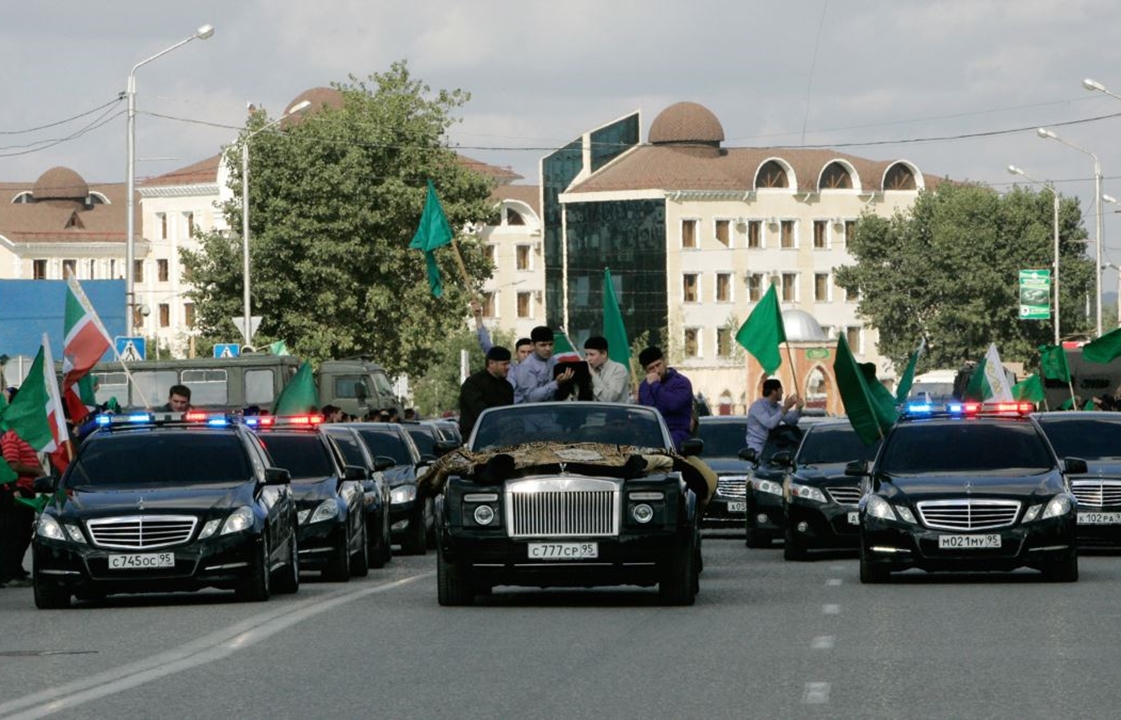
(433,231)
(28,413)
(908,378)
(299,395)
(1030,388)
(1053,363)
(869,405)
(977,388)
(763,332)
(618,348)
(1104,349)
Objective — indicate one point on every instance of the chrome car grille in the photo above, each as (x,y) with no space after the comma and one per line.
(1097,493)
(968,514)
(562,507)
(734,486)
(141,532)
(845,494)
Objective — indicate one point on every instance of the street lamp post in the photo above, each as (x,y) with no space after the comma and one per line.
(202,33)
(1055,205)
(1047,134)
(1113,201)
(247,328)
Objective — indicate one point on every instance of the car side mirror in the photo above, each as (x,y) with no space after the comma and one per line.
(47,484)
(443,447)
(426,458)
(748,455)
(692,446)
(857,468)
(355,472)
(383,462)
(1074,466)
(783,458)
(277,476)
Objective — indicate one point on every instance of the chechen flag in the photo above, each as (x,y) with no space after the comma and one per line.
(36,413)
(86,338)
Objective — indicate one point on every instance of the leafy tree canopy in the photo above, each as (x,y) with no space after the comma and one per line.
(335,196)
(948,270)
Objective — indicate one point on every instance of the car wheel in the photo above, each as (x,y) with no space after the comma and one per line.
(415,541)
(1063,571)
(258,586)
(679,583)
(380,551)
(870,573)
(791,550)
(453,582)
(49,596)
(289,581)
(757,539)
(360,561)
(429,525)
(338,564)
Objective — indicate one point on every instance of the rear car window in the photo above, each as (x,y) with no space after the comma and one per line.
(303,455)
(157,458)
(1008,448)
(423,439)
(387,444)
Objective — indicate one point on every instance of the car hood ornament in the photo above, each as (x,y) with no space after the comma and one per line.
(140,503)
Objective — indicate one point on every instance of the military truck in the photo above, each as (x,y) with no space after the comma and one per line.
(356,385)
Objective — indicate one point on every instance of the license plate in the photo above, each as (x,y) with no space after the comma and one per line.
(1099,518)
(563,551)
(854,518)
(737,507)
(142,562)
(968,542)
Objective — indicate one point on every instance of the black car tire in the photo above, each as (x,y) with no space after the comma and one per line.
(360,561)
(287,580)
(429,525)
(758,539)
(678,585)
(258,586)
(453,582)
(415,541)
(1062,571)
(872,574)
(338,564)
(50,597)
(380,551)
(791,550)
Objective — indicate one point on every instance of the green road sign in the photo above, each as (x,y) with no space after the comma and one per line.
(1035,294)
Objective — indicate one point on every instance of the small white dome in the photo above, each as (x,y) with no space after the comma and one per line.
(802,327)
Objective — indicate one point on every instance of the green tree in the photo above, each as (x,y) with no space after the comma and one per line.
(948,270)
(335,198)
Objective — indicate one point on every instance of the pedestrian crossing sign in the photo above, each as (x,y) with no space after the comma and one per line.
(131,349)
(227,350)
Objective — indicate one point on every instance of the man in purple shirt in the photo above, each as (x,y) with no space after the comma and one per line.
(669,391)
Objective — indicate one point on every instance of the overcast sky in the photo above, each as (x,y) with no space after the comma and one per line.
(871,78)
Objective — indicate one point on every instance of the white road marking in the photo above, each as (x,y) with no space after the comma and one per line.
(822,642)
(830,609)
(833,582)
(816,693)
(215,646)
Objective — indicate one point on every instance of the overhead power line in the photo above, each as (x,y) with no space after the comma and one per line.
(61,122)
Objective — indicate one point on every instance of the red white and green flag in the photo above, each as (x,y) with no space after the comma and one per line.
(86,339)
(36,414)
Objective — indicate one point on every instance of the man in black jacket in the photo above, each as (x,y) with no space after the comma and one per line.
(485,389)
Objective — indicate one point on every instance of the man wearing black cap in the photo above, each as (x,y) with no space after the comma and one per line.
(669,391)
(533,379)
(485,389)
(609,378)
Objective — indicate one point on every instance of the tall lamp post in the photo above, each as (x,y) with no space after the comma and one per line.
(1049,135)
(1113,201)
(202,33)
(247,328)
(1055,204)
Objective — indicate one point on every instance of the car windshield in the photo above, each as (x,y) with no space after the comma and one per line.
(1000,448)
(568,423)
(783,437)
(839,444)
(389,444)
(350,447)
(722,439)
(423,439)
(147,458)
(1089,439)
(303,455)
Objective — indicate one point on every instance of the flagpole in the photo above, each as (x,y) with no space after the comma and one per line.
(131,381)
(462,269)
(793,370)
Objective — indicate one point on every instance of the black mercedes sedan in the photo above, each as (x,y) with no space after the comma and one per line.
(819,499)
(1096,438)
(723,437)
(376,490)
(132,514)
(763,518)
(968,487)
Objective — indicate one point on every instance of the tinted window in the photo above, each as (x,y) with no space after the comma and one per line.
(304,455)
(571,422)
(1087,439)
(833,445)
(388,444)
(144,458)
(784,437)
(723,439)
(350,448)
(423,438)
(259,387)
(995,448)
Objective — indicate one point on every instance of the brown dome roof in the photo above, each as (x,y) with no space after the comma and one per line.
(686,122)
(60,183)
(318,97)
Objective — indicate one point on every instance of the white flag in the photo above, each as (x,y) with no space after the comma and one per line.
(997,381)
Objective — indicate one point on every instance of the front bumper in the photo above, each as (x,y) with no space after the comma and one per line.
(1098,535)
(764,511)
(824,525)
(318,540)
(724,511)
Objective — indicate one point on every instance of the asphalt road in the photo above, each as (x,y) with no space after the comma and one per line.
(766,639)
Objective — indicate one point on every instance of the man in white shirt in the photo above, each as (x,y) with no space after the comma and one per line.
(610,379)
(766,413)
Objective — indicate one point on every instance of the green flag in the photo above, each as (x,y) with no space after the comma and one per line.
(763,332)
(1030,388)
(87,389)
(28,413)
(618,348)
(1104,349)
(299,395)
(1053,363)
(36,503)
(278,348)
(868,404)
(908,378)
(977,386)
(433,231)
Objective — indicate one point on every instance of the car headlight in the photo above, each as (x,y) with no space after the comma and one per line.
(905,514)
(767,486)
(877,507)
(48,527)
(240,519)
(642,513)
(209,529)
(402,494)
(75,533)
(327,510)
(484,514)
(806,492)
(1060,505)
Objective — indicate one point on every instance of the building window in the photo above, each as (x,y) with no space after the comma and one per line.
(189,218)
(92,267)
(850,231)
(790,287)
(163,225)
(754,286)
(161,269)
(821,238)
(523,257)
(513,217)
(688,233)
(723,287)
(852,294)
(137,317)
(821,287)
(852,337)
(69,268)
(488,302)
(165,315)
(689,288)
(113,269)
(692,348)
(787,234)
(39,269)
(189,314)
(723,232)
(138,271)
(488,252)
(755,234)
(524,308)
(724,342)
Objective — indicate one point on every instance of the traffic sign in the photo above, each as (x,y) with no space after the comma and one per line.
(227,350)
(131,349)
(254,323)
